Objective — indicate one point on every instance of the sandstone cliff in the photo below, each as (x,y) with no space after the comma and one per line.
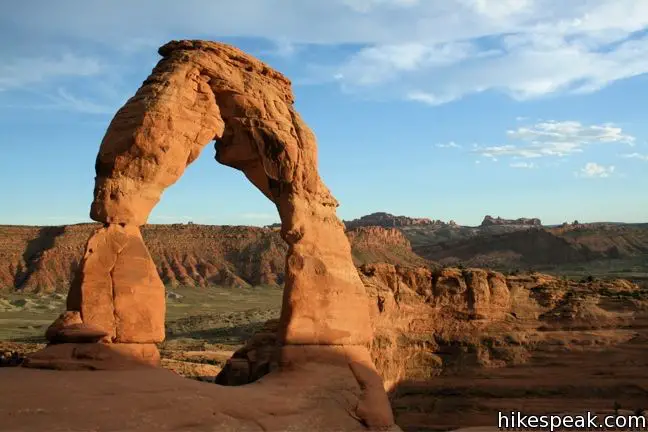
(43,259)
(434,328)
(422,317)
(375,244)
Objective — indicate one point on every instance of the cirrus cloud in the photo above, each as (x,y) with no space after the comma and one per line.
(556,138)
(431,52)
(639,156)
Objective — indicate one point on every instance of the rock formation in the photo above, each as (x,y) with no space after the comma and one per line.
(375,235)
(374,244)
(411,308)
(387,220)
(199,92)
(490,221)
(436,331)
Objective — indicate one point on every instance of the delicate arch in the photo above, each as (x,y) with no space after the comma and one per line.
(203,91)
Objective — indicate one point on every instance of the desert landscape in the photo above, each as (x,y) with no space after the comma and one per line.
(445,220)
(453,345)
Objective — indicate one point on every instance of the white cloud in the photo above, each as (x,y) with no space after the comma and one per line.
(527,165)
(283,48)
(428,98)
(381,64)
(105,103)
(374,22)
(432,52)
(450,144)
(556,138)
(535,48)
(74,103)
(497,9)
(592,169)
(26,71)
(524,69)
(643,157)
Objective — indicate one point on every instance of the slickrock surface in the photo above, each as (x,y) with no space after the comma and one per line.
(94,356)
(319,397)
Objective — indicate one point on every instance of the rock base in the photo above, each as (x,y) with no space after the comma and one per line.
(94,356)
(373,408)
(313,397)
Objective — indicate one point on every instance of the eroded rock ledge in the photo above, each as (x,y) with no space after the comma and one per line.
(428,322)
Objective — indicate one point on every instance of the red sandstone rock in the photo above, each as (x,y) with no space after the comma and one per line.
(64,320)
(373,407)
(202,91)
(410,308)
(314,397)
(118,289)
(475,289)
(139,295)
(78,333)
(94,356)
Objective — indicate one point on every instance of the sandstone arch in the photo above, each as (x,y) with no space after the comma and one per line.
(199,92)
(203,91)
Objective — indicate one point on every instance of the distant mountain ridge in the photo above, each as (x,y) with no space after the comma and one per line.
(44,258)
(489,221)
(38,259)
(507,244)
(387,220)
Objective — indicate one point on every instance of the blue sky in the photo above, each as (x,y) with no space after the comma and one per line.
(429,108)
